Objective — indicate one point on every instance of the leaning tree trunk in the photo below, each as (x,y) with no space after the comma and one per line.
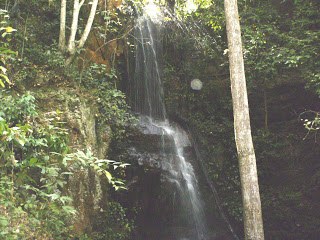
(62,36)
(89,24)
(74,26)
(72,46)
(253,225)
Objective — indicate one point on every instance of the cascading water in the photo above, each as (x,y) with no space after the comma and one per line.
(147,99)
(183,175)
(147,90)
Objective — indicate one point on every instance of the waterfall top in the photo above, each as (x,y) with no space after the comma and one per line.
(154,12)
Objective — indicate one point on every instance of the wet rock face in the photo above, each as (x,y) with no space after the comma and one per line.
(155,161)
(157,183)
(152,187)
(145,141)
(146,159)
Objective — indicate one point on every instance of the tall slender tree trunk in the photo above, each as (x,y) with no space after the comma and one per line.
(89,24)
(253,224)
(62,36)
(72,46)
(74,26)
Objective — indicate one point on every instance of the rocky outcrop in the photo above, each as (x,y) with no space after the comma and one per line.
(79,113)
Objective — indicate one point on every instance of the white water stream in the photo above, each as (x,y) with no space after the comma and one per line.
(182,173)
(147,99)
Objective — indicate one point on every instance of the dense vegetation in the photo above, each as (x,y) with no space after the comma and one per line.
(39,157)
(281,60)
(43,147)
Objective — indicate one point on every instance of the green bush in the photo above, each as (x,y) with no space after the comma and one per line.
(114,110)
(35,164)
(116,225)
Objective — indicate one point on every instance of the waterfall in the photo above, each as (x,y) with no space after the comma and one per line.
(147,91)
(182,173)
(146,97)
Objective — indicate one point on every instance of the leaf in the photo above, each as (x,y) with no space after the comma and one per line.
(123,165)
(20,140)
(108,175)
(7,51)
(69,209)
(5,77)
(33,161)
(10,29)
(54,196)
(65,199)
(3,69)
(61,183)
(104,161)
(3,221)
(119,182)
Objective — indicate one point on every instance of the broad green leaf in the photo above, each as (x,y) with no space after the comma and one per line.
(33,161)
(3,221)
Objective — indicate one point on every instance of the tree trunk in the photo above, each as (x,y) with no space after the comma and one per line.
(62,35)
(74,26)
(72,46)
(253,225)
(89,24)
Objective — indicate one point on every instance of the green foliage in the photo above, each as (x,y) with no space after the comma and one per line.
(276,45)
(35,167)
(281,49)
(311,121)
(115,23)
(17,109)
(35,40)
(81,160)
(314,82)
(114,110)
(313,125)
(32,201)
(114,224)
(92,76)
(48,56)
(5,52)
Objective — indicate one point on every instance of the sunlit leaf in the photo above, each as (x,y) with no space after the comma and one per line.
(108,175)
(10,29)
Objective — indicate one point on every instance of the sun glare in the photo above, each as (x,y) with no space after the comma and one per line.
(191,6)
(153,11)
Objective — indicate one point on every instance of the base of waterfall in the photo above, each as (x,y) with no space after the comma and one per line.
(163,181)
